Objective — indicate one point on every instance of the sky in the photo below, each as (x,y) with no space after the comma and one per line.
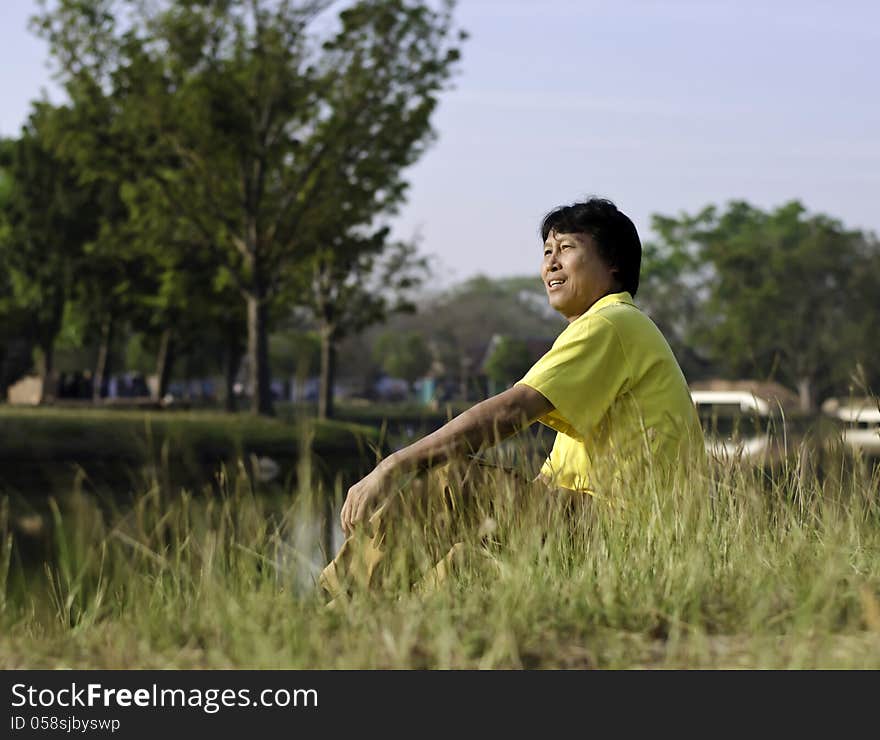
(664,107)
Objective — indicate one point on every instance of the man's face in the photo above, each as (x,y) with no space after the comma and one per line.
(574,274)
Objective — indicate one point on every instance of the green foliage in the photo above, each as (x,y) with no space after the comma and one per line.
(294,353)
(359,281)
(138,356)
(16,340)
(780,294)
(673,293)
(508,360)
(50,220)
(267,143)
(466,317)
(403,355)
(7,153)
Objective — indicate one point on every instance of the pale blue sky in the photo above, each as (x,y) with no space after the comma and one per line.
(661,106)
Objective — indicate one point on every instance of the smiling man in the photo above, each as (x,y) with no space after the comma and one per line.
(618,394)
(610,385)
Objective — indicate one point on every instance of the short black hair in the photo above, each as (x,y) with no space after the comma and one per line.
(612,231)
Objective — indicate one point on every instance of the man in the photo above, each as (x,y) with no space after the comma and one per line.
(610,385)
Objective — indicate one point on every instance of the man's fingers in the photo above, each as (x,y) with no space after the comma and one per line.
(349,517)
(358,512)
(355,509)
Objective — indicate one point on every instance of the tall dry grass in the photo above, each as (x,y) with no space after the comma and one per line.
(721,566)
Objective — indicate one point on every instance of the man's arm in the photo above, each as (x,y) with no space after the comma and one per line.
(482,425)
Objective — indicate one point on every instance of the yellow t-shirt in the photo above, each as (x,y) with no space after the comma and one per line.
(620,397)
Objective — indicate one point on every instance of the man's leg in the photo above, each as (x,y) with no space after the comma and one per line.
(426,530)
(357,561)
(485,494)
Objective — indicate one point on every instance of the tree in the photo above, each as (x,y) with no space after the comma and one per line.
(356,282)
(16,344)
(508,360)
(254,137)
(459,323)
(862,375)
(195,307)
(72,161)
(50,219)
(674,287)
(784,293)
(403,355)
(294,353)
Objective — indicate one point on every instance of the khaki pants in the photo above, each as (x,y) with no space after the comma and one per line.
(440,520)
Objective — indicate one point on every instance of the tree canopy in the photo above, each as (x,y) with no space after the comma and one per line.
(251,130)
(403,355)
(508,361)
(779,294)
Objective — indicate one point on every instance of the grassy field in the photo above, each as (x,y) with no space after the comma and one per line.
(725,567)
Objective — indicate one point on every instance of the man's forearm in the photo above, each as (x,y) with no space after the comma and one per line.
(484,424)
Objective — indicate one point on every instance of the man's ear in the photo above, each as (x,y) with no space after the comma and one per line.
(615,272)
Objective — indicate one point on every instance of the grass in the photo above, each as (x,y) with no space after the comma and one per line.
(723,567)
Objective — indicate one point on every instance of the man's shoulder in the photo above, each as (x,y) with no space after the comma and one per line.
(624,318)
(617,308)
(637,334)
(585,327)
(619,319)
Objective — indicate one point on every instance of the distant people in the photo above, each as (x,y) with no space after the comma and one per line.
(65,385)
(75,385)
(85,385)
(610,386)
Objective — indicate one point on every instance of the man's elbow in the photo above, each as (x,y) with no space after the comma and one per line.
(524,405)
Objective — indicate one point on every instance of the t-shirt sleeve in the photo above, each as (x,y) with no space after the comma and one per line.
(581,375)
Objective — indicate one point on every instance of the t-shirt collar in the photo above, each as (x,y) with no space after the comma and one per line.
(607,300)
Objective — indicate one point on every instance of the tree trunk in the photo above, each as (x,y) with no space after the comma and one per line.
(45,362)
(102,366)
(164,363)
(328,373)
(49,387)
(258,354)
(805,394)
(48,382)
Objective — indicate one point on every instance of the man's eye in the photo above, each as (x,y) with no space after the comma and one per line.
(546,252)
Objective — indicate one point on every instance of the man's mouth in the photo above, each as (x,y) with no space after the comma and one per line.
(555,283)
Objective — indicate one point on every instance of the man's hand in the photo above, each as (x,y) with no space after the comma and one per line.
(487,422)
(363,498)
